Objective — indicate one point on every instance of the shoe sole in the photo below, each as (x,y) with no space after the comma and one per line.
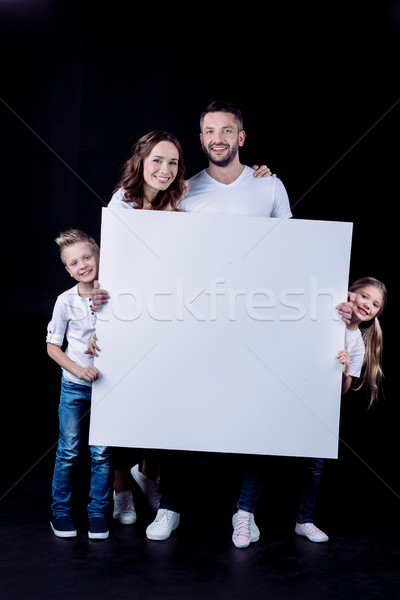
(136,475)
(251,540)
(63,534)
(312,539)
(125,520)
(98,536)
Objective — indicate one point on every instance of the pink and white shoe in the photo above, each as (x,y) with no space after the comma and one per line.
(310,531)
(245,530)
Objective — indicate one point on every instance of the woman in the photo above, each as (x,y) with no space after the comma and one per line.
(152,179)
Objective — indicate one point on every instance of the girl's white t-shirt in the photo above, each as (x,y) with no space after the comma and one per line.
(356,348)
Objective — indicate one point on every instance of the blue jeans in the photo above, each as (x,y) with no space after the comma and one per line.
(254,481)
(73,413)
(308,496)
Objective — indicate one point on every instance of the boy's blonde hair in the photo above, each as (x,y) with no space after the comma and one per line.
(74,236)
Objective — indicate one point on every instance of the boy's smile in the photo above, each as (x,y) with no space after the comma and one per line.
(82,264)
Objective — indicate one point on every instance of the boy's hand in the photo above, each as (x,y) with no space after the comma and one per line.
(89,373)
(92,346)
(99,297)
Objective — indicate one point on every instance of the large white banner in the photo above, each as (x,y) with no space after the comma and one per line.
(221,333)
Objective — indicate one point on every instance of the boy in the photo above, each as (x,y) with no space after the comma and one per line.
(73,318)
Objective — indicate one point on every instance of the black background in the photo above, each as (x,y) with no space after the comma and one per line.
(318,85)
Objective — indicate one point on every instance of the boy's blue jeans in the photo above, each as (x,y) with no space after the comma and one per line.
(73,413)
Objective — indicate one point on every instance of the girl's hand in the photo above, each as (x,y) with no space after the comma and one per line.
(344,358)
(262,171)
(345,309)
(89,373)
(92,346)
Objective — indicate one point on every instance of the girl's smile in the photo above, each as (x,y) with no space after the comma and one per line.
(367,305)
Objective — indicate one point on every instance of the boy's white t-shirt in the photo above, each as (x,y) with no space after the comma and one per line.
(74,321)
(247,196)
(356,348)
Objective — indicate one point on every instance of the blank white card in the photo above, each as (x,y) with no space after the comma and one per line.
(221,333)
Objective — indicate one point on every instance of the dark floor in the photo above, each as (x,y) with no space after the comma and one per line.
(199,561)
(358,507)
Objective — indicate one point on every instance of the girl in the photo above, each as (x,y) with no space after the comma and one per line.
(361,358)
(369,302)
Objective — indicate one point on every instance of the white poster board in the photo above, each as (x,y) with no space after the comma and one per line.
(221,333)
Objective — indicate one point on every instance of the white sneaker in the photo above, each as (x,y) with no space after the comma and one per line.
(162,526)
(310,531)
(124,509)
(148,486)
(245,530)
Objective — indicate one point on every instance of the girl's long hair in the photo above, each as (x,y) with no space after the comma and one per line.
(372,374)
(132,176)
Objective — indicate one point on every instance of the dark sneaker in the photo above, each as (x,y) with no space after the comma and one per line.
(98,528)
(63,527)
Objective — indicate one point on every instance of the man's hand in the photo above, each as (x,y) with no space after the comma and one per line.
(345,309)
(99,297)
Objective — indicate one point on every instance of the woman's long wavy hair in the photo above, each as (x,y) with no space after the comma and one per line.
(132,175)
(372,374)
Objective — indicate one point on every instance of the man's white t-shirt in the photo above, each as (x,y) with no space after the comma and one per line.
(247,196)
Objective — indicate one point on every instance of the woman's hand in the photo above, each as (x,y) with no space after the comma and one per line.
(262,171)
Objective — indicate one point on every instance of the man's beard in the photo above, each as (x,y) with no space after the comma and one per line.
(223,162)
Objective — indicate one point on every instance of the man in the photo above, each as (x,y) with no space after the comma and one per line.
(226,186)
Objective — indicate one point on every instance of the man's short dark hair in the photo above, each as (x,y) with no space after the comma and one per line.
(222,106)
